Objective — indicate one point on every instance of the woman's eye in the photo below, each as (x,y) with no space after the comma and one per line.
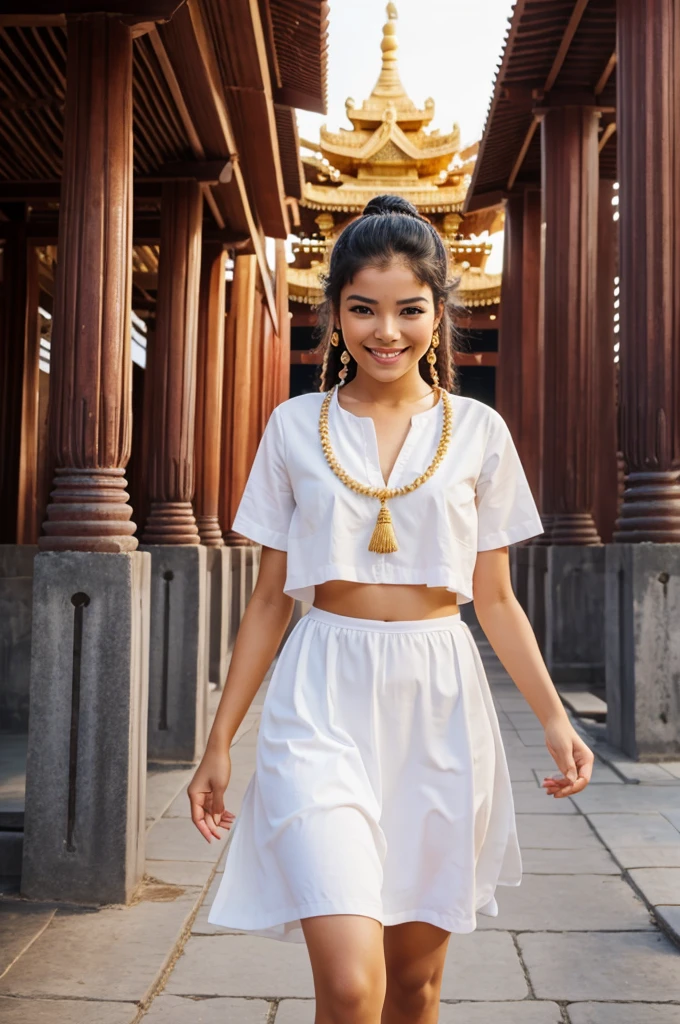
(411,310)
(361,309)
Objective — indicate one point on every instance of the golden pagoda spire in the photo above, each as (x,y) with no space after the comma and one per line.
(389,84)
(389,99)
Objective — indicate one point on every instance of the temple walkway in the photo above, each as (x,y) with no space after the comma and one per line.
(590,937)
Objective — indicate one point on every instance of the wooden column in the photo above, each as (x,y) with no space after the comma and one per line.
(605,433)
(91,368)
(648,81)
(20,515)
(508,374)
(519,391)
(210,381)
(570,193)
(238,393)
(284,316)
(171,456)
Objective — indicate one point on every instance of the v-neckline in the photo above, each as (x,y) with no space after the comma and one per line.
(370,427)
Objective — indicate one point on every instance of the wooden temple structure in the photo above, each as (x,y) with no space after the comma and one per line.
(580,146)
(149,162)
(390,148)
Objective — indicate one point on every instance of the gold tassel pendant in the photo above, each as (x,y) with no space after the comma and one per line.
(383,539)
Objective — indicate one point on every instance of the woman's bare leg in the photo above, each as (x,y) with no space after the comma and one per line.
(348,964)
(414,963)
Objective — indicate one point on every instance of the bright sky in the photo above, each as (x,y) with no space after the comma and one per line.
(448,49)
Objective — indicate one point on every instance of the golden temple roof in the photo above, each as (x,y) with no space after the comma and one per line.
(388,149)
(476,288)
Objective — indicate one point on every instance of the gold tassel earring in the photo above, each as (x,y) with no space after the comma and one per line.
(335,339)
(432,358)
(344,359)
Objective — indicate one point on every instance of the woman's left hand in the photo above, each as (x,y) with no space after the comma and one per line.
(572,756)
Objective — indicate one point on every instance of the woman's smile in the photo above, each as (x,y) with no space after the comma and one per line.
(386,355)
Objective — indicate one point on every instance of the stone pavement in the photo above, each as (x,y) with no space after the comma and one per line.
(591,935)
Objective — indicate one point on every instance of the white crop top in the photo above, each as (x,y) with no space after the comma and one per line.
(477,499)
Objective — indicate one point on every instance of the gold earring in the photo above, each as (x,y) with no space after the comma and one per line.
(335,339)
(344,359)
(432,358)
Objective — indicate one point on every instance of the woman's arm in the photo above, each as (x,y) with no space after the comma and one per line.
(262,627)
(509,632)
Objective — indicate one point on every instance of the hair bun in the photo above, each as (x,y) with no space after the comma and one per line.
(387,203)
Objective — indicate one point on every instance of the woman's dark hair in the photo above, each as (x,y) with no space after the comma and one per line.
(389,228)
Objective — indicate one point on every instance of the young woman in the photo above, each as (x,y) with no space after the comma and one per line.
(380,816)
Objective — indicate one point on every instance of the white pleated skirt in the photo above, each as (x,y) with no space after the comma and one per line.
(381,785)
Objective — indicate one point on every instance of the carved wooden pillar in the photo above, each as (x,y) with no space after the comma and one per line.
(171,456)
(269,369)
(519,391)
(283,314)
(604,436)
(238,393)
(91,368)
(210,381)
(257,367)
(19,386)
(648,82)
(570,194)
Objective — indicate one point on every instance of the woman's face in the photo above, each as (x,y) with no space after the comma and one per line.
(387,318)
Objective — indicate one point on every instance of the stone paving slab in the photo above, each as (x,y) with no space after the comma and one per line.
(179,839)
(242,965)
(299,1011)
(466,969)
(531,799)
(162,788)
(589,861)
(21,923)
(669,919)
(639,771)
(625,966)
(110,954)
(176,1010)
(200,925)
(628,799)
(180,872)
(568,903)
(639,829)
(619,1013)
(532,737)
(648,856)
(555,832)
(528,1011)
(661,886)
(65,1011)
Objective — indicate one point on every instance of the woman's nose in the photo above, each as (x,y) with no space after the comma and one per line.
(387,330)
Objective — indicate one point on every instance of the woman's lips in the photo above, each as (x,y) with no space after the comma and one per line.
(386,356)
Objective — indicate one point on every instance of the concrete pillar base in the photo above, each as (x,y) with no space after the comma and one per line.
(178,671)
(237,590)
(16,600)
(86,770)
(574,623)
(520,572)
(219,601)
(536,591)
(642,588)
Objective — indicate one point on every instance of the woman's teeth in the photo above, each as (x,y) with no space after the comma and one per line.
(386,357)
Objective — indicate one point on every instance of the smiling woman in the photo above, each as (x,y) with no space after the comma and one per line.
(381,798)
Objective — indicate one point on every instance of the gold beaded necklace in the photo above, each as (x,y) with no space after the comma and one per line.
(383,539)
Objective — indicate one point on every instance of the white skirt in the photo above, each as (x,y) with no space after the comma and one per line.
(381,784)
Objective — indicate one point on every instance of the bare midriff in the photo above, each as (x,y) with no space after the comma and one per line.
(388,602)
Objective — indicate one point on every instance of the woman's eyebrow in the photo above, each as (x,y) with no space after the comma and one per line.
(362,298)
(418,298)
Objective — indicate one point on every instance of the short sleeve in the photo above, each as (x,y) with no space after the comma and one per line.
(267,504)
(506,509)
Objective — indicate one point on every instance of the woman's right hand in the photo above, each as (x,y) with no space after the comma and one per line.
(206,794)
